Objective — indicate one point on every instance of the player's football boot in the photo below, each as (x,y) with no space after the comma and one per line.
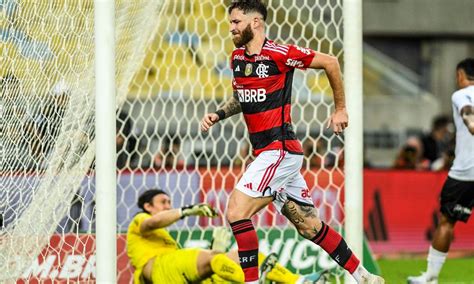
(372,279)
(422,279)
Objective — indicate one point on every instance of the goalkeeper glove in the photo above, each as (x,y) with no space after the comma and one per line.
(201,209)
(220,239)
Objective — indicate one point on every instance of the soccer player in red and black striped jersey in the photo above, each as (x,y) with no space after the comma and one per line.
(263,74)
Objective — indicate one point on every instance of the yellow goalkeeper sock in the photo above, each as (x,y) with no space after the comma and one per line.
(227,268)
(279,273)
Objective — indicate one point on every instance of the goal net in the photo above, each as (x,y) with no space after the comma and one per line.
(172,66)
(47,127)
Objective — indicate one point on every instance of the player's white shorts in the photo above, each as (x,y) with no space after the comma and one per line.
(276,173)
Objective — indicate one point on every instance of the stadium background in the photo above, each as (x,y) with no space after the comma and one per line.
(408,77)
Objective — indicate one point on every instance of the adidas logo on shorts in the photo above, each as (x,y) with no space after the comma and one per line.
(248,185)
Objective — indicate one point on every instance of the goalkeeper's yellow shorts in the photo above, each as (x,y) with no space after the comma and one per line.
(176,267)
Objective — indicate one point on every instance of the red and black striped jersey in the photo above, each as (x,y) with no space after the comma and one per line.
(262,83)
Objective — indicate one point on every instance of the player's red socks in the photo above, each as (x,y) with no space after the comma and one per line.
(247,240)
(333,243)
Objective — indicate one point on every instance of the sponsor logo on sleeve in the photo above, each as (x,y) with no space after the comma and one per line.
(303,50)
(294,63)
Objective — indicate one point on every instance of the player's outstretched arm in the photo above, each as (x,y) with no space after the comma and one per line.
(339,119)
(467,114)
(166,218)
(160,220)
(230,108)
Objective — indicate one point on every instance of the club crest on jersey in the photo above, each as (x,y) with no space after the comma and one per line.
(262,70)
(248,69)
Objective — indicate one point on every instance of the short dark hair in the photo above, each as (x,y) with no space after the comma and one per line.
(248,6)
(440,122)
(147,197)
(468,66)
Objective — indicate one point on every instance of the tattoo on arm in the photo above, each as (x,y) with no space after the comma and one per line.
(231,107)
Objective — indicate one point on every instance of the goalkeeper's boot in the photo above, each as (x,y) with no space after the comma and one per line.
(267,266)
(317,278)
(422,279)
(372,279)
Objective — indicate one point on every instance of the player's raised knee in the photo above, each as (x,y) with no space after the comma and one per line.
(234,214)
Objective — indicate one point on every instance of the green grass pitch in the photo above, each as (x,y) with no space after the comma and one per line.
(455,270)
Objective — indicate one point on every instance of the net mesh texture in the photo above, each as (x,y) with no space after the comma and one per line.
(172,67)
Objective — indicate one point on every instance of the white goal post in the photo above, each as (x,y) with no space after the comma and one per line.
(105,105)
(354,137)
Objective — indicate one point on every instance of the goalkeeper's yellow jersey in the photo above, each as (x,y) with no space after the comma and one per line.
(141,248)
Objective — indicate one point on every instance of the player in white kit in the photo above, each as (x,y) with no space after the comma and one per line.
(457,195)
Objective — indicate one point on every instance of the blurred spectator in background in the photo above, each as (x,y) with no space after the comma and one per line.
(169,156)
(47,122)
(411,156)
(335,158)
(15,125)
(244,156)
(436,143)
(125,141)
(317,154)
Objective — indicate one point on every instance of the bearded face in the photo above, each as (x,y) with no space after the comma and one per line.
(242,38)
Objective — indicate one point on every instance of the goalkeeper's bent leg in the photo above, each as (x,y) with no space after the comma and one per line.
(226,268)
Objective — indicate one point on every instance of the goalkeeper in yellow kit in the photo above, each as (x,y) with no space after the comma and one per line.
(157,257)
